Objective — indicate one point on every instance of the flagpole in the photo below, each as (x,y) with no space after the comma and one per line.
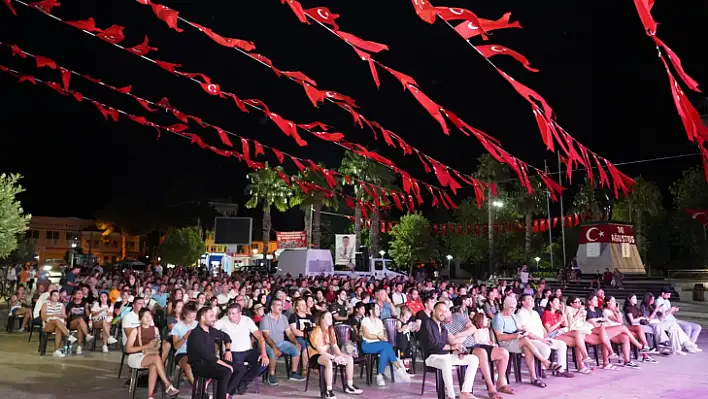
(548,209)
(560,181)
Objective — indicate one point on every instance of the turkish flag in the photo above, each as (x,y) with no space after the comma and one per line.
(107,112)
(142,48)
(315,95)
(225,41)
(168,15)
(8,3)
(455,14)
(299,77)
(267,61)
(239,103)
(45,5)
(362,44)
(17,51)
(644,9)
(223,136)
(287,127)
(430,106)
(323,15)
(114,34)
(258,104)
(45,62)
(692,121)
(372,65)
(333,137)
(341,97)
(88,25)
(177,127)
(297,9)
(27,78)
(676,61)
(312,125)
(491,50)
(425,10)
(168,66)
(405,80)
(212,89)
(468,29)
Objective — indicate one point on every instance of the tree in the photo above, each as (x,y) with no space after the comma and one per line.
(492,171)
(642,202)
(689,236)
(267,190)
(591,201)
(312,202)
(182,246)
(355,165)
(25,251)
(527,205)
(411,241)
(13,221)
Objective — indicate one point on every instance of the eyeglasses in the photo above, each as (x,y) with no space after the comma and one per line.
(576,301)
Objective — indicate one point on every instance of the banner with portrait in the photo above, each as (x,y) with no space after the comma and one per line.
(345,249)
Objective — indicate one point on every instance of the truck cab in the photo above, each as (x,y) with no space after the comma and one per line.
(379,268)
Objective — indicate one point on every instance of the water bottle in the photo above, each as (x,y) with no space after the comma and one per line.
(67,347)
(90,326)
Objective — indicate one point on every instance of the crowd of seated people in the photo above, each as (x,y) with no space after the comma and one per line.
(175,315)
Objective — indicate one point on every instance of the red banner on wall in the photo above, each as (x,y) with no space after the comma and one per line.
(607,233)
(291,239)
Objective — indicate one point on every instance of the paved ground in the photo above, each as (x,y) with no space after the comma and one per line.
(24,374)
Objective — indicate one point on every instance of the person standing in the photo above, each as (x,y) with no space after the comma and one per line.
(202,357)
(436,343)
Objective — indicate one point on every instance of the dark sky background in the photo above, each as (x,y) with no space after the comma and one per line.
(598,70)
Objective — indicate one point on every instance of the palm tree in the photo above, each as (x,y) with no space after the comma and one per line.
(365,169)
(644,200)
(586,201)
(492,171)
(527,205)
(267,189)
(312,203)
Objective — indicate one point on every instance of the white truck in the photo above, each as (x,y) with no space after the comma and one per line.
(318,262)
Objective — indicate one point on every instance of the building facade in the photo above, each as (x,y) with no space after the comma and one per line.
(54,236)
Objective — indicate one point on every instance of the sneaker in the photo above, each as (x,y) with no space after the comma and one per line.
(171,391)
(614,356)
(272,380)
(330,395)
(649,359)
(111,341)
(59,353)
(21,330)
(380,380)
(402,376)
(297,377)
(89,337)
(72,339)
(104,349)
(352,390)
(79,349)
(630,364)
(645,350)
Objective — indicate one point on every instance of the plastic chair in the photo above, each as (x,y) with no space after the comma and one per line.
(439,383)
(134,376)
(344,334)
(10,327)
(34,325)
(199,388)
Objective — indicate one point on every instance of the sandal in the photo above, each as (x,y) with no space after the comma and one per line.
(495,395)
(507,390)
(565,373)
(586,371)
(609,366)
(555,366)
(539,383)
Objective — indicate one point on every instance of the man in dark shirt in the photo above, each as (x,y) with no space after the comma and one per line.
(420,317)
(202,357)
(71,280)
(340,308)
(436,346)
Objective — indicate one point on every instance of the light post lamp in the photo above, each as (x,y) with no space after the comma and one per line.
(449,259)
(490,231)
(382,253)
(537,259)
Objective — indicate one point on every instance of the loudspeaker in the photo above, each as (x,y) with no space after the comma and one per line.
(362,259)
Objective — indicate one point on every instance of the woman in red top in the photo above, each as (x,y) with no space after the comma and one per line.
(556,325)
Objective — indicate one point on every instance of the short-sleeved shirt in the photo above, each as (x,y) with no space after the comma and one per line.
(594,314)
(459,323)
(398,299)
(550,317)
(422,316)
(130,320)
(339,309)
(386,311)
(276,327)
(531,322)
(504,324)
(76,311)
(664,306)
(70,278)
(491,308)
(415,306)
(180,330)
(240,333)
(301,323)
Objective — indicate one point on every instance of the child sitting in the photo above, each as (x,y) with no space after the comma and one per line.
(404,328)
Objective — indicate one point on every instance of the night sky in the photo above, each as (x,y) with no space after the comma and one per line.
(597,69)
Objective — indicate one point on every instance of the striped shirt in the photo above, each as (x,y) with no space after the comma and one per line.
(54,311)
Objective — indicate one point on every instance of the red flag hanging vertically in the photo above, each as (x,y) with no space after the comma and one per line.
(430,106)
(8,3)
(425,10)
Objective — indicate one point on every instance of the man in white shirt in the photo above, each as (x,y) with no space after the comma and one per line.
(44,298)
(663,303)
(131,320)
(248,363)
(398,297)
(530,321)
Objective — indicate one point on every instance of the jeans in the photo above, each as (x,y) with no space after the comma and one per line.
(693,330)
(243,375)
(286,347)
(384,350)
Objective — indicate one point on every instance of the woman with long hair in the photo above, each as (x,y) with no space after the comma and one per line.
(176,315)
(176,296)
(576,321)
(324,350)
(680,342)
(613,314)
(557,326)
(635,317)
(102,318)
(143,346)
(376,342)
